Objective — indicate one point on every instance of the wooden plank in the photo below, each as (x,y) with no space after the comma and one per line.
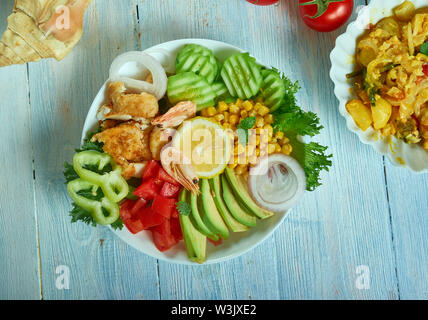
(409,218)
(225,21)
(100,265)
(345,223)
(19,276)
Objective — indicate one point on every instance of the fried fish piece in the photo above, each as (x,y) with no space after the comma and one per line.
(128,144)
(126,106)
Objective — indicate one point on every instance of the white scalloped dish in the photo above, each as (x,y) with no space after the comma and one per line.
(413,157)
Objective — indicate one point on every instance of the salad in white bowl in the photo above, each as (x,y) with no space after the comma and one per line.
(192,152)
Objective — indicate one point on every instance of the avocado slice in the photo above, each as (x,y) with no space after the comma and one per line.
(241,193)
(211,214)
(196,242)
(196,217)
(233,224)
(235,208)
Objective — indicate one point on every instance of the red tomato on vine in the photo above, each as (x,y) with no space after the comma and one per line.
(325,15)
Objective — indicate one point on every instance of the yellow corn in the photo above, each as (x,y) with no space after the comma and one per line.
(257,106)
(268,119)
(233,165)
(204,113)
(233,108)
(240,169)
(287,149)
(239,103)
(279,135)
(285,140)
(277,147)
(247,105)
(244,113)
(263,110)
(222,106)
(226,116)
(219,117)
(211,111)
(260,122)
(271,148)
(227,126)
(233,119)
(269,129)
(252,113)
(257,140)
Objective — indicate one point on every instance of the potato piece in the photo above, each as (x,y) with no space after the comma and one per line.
(361,114)
(405,11)
(389,25)
(366,55)
(381,113)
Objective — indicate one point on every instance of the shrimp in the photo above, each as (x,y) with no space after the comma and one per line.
(158,139)
(174,163)
(176,115)
(142,105)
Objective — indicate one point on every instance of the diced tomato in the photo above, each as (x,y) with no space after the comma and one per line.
(216,243)
(175,213)
(139,204)
(169,190)
(176,229)
(147,190)
(163,206)
(125,209)
(151,169)
(162,236)
(162,175)
(132,222)
(150,218)
(425,69)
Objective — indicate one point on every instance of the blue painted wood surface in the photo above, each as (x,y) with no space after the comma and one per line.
(368,213)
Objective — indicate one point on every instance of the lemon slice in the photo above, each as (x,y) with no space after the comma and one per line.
(205,144)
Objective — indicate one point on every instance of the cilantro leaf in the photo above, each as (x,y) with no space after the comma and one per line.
(69,173)
(88,145)
(183,208)
(243,127)
(424,49)
(295,123)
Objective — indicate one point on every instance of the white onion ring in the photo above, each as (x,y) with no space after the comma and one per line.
(160,80)
(168,58)
(277,183)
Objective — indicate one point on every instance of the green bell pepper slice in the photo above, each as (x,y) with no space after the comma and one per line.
(114,186)
(93,206)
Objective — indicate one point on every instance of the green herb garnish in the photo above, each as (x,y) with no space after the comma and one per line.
(243,127)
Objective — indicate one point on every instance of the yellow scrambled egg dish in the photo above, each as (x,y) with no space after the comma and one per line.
(391,77)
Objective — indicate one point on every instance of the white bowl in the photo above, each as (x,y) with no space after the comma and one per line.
(342,59)
(238,243)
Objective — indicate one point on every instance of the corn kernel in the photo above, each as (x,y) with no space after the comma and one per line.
(263,110)
(233,165)
(279,135)
(285,140)
(257,140)
(269,129)
(204,112)
(211,111)
(277,147)
(239,103)
(233,119)
(287,149)
(226,116)
(222,106)
(233,108)
(219,117)
(257,152)
(238,149)
(271,148)
(227,126)
(268,118)
(240,169)
(247,105)
(257,106)
(260,122)
(244,113)
(252,113)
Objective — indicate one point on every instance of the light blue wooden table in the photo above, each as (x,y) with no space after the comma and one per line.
(369,221)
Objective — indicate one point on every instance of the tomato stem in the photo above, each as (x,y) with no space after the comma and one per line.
(322,6)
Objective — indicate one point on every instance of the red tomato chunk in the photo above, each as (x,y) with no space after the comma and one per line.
(169,190)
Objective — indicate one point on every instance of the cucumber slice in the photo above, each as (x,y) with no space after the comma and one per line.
(197,59)
(188,86)
(273,89)
(242,76)
(200,65)
(222,93)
